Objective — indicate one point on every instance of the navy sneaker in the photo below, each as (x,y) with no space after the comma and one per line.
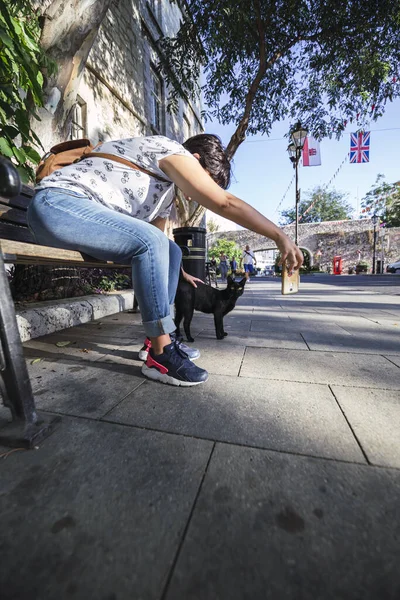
(173,367)
(193,353)
(144,350)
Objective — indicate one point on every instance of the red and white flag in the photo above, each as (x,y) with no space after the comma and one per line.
(311,153)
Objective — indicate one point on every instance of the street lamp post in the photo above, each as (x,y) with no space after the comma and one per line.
(294,149)
(375,220)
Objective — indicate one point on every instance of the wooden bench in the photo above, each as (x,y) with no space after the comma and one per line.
(17,243)
(18,246)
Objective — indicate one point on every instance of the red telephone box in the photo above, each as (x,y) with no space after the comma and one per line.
(337,265)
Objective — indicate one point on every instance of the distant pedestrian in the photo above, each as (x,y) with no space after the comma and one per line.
(223,266)
(233,265)
(248,259)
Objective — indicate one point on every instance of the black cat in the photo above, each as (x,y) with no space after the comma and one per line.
(208,300)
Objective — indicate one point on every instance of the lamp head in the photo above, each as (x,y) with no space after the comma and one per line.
(375,220)
(299,137)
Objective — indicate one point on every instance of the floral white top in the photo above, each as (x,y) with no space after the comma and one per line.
(118,187)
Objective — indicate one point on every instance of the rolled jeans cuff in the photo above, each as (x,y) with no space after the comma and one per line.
(159,327)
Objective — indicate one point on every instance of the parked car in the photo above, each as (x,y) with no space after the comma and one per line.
(393,267)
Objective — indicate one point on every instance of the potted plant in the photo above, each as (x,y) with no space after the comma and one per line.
(362,267)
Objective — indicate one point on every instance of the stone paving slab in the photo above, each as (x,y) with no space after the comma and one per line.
(84,389)
(390,323)
(269,314)
(82,349)
(293,417)
(293,326)
(355,370)
(393,359)
(104,508)
(37,368)
(102,330)
(219,358)
(362,343)
(374,416)
(347,321)
(280,527)
(127,317)
(125,355)
(267,339)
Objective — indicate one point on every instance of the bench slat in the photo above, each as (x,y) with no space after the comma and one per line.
(9,231)
(18,252)
(21,201)
(17,202)
(12,215)
(27,191)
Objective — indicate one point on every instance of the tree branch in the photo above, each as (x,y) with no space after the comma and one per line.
(239,135)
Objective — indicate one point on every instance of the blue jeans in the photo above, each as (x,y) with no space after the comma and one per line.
(249,268)
(65,219)
(223,268)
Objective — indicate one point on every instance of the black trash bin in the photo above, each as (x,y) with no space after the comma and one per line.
(194,239)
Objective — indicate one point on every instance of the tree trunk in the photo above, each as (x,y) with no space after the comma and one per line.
(68,32)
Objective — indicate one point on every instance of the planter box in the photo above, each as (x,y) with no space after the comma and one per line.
(361,269)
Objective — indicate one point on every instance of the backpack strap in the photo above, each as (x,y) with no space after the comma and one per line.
(123,161)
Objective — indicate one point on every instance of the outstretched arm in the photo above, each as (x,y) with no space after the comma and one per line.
(194,181)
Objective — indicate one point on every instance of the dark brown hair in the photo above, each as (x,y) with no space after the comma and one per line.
(212,157)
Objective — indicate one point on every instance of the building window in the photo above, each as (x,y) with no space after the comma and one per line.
(79,119)
(186,128)
(156,91)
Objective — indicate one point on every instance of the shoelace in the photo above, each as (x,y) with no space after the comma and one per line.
(179,351)
(177,340)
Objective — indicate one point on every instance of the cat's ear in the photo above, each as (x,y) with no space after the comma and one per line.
(243,281)
(229,279)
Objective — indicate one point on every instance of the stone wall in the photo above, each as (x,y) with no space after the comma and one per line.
(352,240)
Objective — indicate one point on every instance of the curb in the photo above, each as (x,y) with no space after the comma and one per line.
(42,318)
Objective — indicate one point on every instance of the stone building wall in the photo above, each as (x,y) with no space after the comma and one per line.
(352,240)
(116,89)
(114,99)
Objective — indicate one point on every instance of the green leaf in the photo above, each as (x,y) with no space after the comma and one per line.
(35,360)
(10,131)
(5,38)
(32,154)
(26,173)
(62,344)
(22,121)
(19,154)
(5,148)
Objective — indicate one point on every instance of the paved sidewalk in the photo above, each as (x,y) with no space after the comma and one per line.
(278,479)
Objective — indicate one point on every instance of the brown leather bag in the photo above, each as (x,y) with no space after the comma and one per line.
(66,153)
(62,155)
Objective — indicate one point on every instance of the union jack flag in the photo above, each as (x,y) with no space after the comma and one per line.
(359,147)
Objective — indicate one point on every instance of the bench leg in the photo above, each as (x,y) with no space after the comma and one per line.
(27,428)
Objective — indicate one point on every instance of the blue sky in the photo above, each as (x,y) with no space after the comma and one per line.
(262,170)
